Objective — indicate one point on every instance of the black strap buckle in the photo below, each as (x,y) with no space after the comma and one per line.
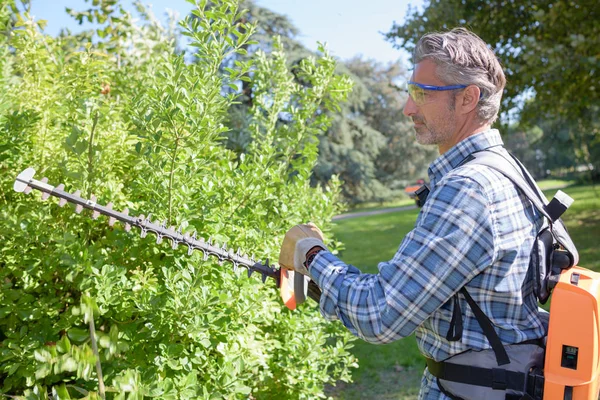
(421,194)
(535,383)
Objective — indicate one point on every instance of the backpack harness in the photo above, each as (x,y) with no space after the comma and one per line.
(510,372)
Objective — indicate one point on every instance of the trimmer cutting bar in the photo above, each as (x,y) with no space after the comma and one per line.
(25,182)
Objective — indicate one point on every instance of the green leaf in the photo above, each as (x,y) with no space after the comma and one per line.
(60,392)
(13,368)
(42,355)
(42,23)
(80,148)
(104,341)
(78,335)
(73,137)
(63,345)
(42,371)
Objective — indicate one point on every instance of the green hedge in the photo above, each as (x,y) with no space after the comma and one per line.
(127,118)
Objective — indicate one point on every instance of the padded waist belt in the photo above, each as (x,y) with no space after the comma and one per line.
(495,378)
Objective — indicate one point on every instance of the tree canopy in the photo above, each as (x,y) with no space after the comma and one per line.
(549,50)
(370,145)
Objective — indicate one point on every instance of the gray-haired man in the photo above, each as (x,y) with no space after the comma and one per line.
(475,231)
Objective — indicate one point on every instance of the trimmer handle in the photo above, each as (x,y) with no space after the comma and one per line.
(295,287)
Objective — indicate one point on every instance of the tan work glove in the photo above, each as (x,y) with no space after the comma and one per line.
(296,243)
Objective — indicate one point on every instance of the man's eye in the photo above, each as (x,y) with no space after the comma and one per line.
(421,95)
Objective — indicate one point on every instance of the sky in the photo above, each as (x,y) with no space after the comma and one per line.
(350,27)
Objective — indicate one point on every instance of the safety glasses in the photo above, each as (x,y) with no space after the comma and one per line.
(418,91)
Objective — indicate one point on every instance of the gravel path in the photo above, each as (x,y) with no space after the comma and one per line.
(373,212)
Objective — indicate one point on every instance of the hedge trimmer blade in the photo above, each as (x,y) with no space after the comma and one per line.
(25,183)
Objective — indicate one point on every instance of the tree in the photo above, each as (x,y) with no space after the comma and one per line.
(269,27)
(548,49)
(371,145)
(525,145)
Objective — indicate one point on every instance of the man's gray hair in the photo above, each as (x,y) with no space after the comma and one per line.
(462,58)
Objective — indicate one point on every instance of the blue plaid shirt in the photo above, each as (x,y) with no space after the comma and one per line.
(476,230)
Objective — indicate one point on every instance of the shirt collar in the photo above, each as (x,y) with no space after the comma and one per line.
(453,157)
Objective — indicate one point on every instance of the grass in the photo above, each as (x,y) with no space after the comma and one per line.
(583,222)
(393,371)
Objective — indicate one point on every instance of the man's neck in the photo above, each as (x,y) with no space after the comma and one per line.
(464,131)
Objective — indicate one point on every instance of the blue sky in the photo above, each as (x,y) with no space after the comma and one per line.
(349,27)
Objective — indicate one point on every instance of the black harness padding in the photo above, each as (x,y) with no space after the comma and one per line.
(526,396)
(535,383)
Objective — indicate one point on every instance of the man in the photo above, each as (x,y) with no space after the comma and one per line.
(475,230)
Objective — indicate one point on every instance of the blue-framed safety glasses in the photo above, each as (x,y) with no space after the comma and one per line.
(418,91)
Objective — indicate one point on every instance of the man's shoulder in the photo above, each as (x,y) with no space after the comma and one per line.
(483,175)
(471,175)
(459,190)
(477,181)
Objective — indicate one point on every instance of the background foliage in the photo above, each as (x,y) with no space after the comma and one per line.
(549,51)
(370,145)
(123,114)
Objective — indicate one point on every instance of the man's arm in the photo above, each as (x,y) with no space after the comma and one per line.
(452,242)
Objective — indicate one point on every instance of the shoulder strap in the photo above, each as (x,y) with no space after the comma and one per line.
(518,174)
(455,329)
(513,170)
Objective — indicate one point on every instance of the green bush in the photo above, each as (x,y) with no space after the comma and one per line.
(125,117)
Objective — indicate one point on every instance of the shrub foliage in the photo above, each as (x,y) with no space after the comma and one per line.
(130,118)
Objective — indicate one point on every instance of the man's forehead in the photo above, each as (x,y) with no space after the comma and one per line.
(425,72)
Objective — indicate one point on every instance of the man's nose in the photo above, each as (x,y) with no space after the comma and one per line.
(410,107)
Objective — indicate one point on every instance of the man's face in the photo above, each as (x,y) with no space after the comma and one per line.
(434,119)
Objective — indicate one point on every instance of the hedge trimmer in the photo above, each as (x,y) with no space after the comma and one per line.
(293,287)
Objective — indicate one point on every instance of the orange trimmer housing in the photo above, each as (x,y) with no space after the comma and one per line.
(572,364)
(286,288)
(293,288)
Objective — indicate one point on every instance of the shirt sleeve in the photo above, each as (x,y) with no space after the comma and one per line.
(452,241)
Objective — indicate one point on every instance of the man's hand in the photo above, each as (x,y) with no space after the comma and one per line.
(296,243)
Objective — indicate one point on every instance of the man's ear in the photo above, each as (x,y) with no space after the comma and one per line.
(469,98)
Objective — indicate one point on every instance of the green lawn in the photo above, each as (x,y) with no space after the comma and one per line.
(393,371)
(583,222)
